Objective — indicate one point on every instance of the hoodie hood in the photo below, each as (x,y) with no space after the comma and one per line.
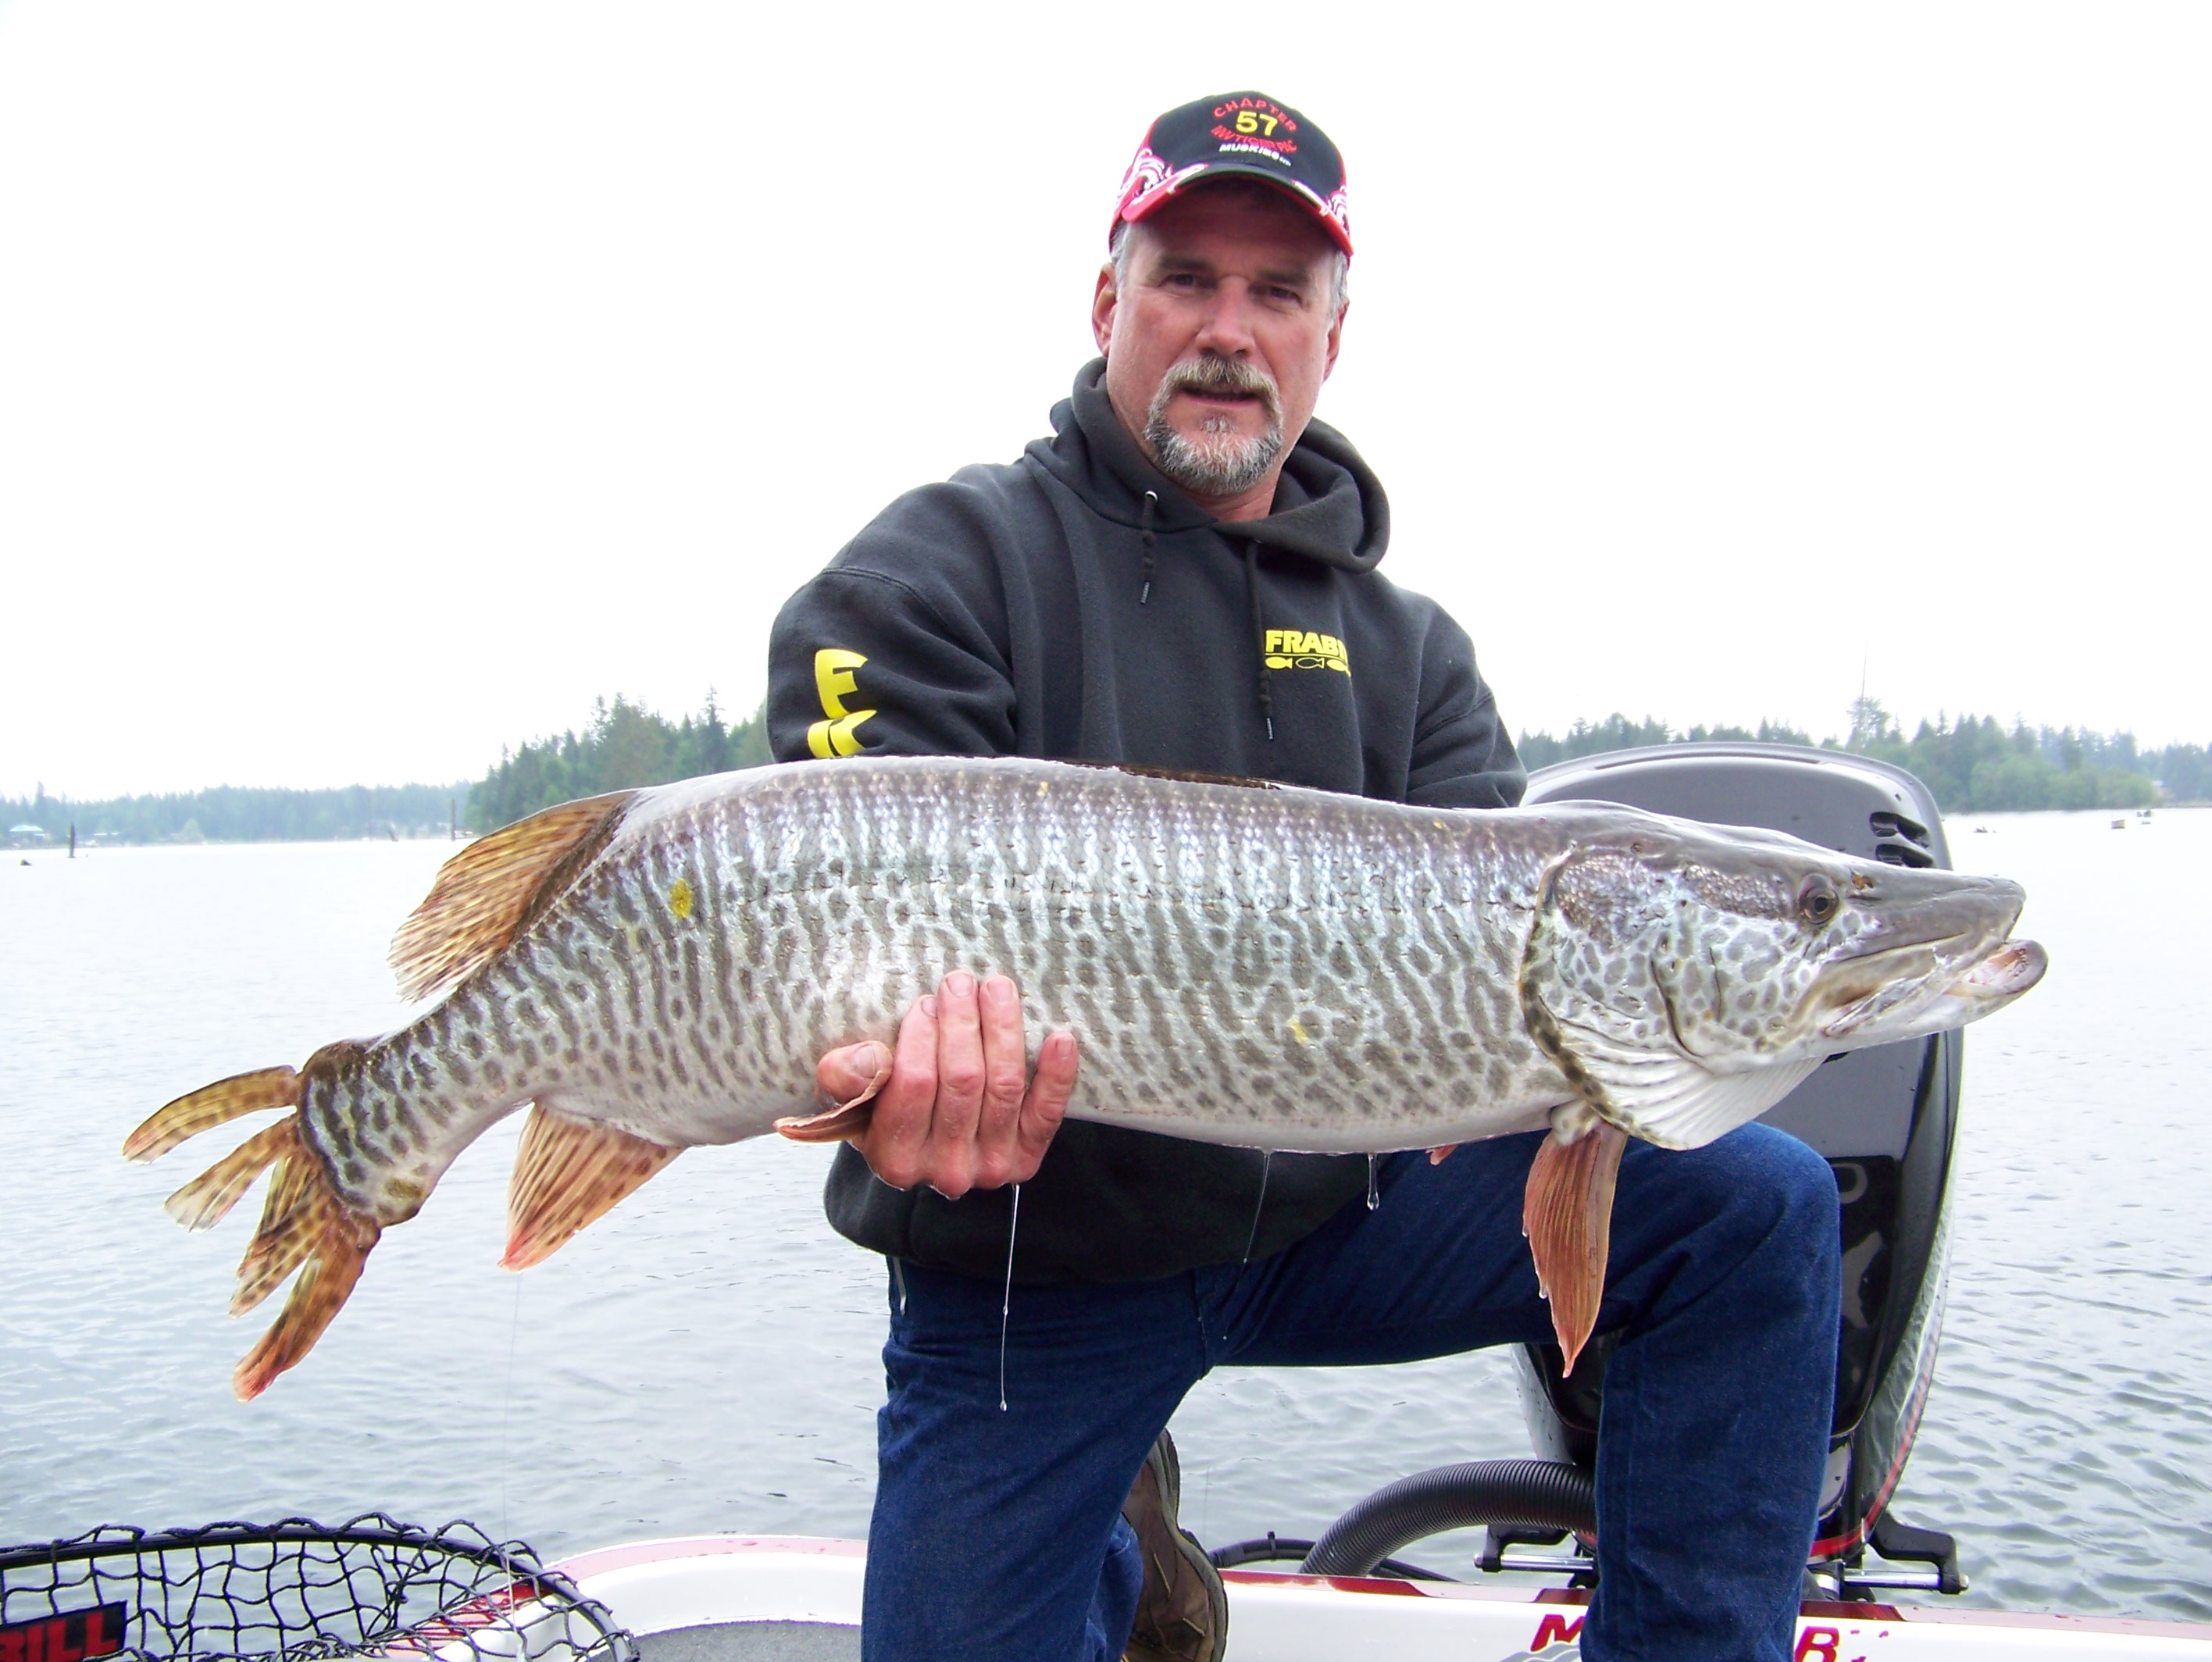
(1330,506)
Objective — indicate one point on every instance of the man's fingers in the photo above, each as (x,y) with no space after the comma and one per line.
(960,1076)
(1005,1058)
(1046,1105)
(899,1133)
(958,1109)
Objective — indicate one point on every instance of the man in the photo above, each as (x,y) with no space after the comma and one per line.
(1183,576)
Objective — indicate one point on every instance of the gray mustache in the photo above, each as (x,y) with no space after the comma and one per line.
(1211,375)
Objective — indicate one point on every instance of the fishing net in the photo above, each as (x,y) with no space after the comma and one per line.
(297,1591)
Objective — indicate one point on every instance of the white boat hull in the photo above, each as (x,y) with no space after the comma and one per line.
(709,1589)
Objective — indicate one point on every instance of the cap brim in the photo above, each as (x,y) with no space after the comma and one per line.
(1205,172)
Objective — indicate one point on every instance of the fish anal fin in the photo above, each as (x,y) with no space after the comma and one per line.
(486,894)
(568,1172)
(1567,1212)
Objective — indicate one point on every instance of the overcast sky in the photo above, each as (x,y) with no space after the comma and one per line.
(380,383)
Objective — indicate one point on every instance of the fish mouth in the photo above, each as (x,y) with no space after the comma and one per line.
(1910,1004)
(1934,930)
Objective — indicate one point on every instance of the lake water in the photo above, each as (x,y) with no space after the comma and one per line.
(705,1357)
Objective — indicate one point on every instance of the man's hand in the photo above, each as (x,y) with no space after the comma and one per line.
(958,1111)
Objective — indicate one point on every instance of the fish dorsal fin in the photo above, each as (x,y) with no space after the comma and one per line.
(1182,776)
(487,893)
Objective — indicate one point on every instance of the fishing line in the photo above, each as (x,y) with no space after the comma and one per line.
(1007,1300)
(1266,1164)
(505,1417)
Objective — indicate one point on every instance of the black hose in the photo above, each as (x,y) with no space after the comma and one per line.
(1270,1548)
(1533,1494)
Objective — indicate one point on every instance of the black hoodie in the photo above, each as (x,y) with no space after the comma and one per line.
(1077,604)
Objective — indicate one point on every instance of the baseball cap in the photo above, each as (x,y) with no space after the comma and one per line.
(1249,134)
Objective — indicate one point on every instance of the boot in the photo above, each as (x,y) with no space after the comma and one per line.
(1182,1614)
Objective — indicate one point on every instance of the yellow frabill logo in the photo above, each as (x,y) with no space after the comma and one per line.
(834,680)
(1302,649)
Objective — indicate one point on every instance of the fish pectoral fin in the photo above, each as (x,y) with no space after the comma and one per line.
(847,1119)
(1437,1156)
(568,1172)
(1567,1212)
(487,893)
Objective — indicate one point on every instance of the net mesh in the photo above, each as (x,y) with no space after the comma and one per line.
(300,1590)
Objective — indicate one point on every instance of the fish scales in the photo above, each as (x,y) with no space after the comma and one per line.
(1272,968)
(1238,965)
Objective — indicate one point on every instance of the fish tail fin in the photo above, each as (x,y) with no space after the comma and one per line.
(305,1226)
(568,1172)
(211,1106)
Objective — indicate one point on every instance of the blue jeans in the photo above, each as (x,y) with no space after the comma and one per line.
(998,1535)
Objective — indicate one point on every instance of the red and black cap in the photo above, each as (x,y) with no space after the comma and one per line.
(1238,133)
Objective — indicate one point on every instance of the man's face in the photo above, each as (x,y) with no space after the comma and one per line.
(1219,340)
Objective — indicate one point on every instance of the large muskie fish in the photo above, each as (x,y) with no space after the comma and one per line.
(1272,968)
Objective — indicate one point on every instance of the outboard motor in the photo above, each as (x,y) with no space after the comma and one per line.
(1885,1118)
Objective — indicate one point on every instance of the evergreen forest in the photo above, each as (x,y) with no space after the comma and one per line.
(1974,764)
(626,745)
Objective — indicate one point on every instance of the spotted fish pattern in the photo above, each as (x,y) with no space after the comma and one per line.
(1281,969)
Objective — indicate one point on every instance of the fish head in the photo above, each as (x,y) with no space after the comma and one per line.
(1686,977)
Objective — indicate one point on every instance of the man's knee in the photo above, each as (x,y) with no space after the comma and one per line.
(1784,1212)
(1756,1197)
(1796,1185)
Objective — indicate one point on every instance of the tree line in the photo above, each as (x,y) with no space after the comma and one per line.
(231,813)
(625,745)
(1974,765)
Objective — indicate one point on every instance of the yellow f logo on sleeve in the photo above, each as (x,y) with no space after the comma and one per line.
(834,680)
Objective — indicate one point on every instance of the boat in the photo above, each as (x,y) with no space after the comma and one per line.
(297,1591)
(753,1598)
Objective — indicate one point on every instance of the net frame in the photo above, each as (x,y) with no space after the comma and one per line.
(298,1591)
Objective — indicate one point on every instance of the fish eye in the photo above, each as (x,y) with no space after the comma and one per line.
(1817,899)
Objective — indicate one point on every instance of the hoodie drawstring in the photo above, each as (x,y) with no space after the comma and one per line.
(1260,636)
(1145,531)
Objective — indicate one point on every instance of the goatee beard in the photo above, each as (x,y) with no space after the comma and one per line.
(1218,461)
